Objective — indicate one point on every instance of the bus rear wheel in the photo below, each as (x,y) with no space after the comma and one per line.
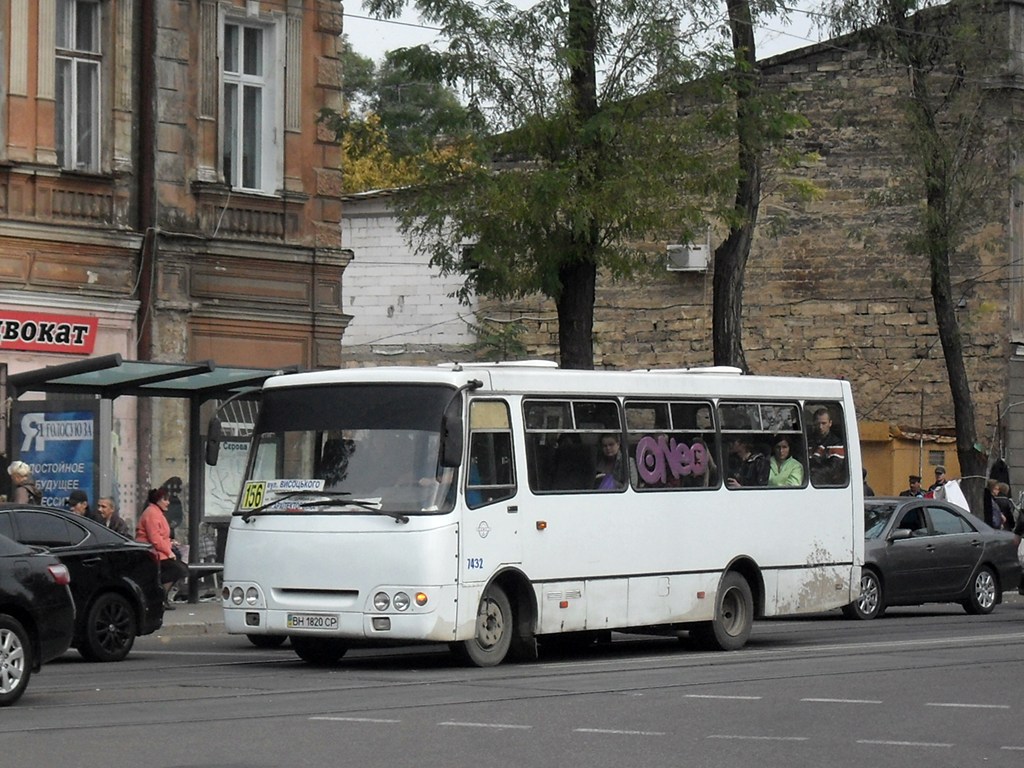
(734,617)
(494,630)
(320,651)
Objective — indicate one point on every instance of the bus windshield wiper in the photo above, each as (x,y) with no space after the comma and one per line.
(370,505)
(333,497)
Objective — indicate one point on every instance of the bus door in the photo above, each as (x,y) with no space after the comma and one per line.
(489,532)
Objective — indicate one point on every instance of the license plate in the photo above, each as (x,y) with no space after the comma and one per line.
(312,621)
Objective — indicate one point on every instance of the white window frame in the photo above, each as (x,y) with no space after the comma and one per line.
(266,177)
(78,127)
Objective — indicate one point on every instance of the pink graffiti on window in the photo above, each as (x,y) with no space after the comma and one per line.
(656,457)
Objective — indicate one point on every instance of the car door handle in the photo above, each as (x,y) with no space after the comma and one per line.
(976,543)
(92,561)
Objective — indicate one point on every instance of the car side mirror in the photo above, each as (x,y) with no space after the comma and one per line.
(900,533)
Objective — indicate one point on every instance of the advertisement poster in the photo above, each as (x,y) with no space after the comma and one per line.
(224,481)
(59,441)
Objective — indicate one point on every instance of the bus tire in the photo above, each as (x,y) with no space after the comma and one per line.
(319,651)
(734,617)
(494,629)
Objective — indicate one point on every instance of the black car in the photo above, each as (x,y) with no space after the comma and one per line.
(37,615)
(928,551)
(115,581)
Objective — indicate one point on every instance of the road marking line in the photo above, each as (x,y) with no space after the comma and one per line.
(903,743)
(489,725)
(968,706)
(617,733)
(843,701)
(1013,749)
(354,719)
(757,738)
(720,696)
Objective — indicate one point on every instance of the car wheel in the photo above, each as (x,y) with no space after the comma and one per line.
(267,641)
(734,617)
(15,660)
(984,592)
(870,604)
(319,651)
(110,629)
(494,630)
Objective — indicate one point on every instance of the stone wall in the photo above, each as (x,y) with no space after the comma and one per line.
(832,289)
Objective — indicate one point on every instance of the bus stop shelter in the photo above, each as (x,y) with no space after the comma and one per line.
(109,377)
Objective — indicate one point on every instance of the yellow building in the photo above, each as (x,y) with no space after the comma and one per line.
(891,454)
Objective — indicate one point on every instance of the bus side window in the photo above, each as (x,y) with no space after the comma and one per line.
(826,444)
(491,474)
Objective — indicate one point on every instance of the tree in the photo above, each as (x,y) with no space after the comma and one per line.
(415,112)
(952,167)
(577,105)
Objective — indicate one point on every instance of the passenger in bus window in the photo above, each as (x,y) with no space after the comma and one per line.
(574,465)
(784,469)
(827,451)
(611,465)
(748,468)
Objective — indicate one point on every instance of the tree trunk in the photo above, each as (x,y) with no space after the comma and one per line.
(575,306)
(578,274)
(731,256)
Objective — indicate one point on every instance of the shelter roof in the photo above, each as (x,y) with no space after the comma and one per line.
(110,376)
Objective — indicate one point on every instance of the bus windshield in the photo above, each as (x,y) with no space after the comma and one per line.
(350,449)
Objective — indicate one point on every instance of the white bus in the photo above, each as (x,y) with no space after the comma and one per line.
(483,506)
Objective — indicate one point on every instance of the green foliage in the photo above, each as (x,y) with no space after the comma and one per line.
(565,171)
(498,340)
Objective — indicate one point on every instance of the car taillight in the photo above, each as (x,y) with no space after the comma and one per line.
(60,574)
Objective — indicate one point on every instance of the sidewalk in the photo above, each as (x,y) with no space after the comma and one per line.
(190,619)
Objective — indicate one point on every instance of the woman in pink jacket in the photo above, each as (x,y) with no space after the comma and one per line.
(153,529)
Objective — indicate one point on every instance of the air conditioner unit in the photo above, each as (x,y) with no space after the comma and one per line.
(687,258)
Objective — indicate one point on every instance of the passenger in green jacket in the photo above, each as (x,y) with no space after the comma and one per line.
(784,470)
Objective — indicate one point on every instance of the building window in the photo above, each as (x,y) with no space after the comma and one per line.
(78,84)
(249,128)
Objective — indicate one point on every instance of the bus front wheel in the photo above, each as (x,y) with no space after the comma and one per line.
(734,617)
(494,629)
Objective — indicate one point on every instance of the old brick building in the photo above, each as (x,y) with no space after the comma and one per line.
(162,171)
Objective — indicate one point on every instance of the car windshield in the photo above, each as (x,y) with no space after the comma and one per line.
(352,449)
(876,517)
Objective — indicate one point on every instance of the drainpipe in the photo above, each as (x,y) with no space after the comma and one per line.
(146,197)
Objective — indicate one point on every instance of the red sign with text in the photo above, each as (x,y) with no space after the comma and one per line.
(37,332)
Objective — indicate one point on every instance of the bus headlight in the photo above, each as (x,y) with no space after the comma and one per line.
(252,595)
(401,601)
(381,601)
(237,595)
(421,599)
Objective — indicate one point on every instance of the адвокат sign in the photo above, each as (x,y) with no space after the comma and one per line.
(37,332)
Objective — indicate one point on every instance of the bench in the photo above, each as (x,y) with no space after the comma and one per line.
(199,571)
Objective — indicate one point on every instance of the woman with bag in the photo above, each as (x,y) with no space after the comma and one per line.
(154,530)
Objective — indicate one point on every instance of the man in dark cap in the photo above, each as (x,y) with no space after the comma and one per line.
(78,502)
(940,479)
(915,487)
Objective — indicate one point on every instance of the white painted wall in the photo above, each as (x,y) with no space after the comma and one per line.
(395,299)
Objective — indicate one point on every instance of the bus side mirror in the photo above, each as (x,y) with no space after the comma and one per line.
(451,434)
(214,434)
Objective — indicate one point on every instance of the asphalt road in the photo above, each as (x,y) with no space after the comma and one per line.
(921,686)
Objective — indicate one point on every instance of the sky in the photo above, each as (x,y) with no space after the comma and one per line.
(373,38)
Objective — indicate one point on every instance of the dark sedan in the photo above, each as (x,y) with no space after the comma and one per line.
(928,551)
(115,581)
(37,615)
